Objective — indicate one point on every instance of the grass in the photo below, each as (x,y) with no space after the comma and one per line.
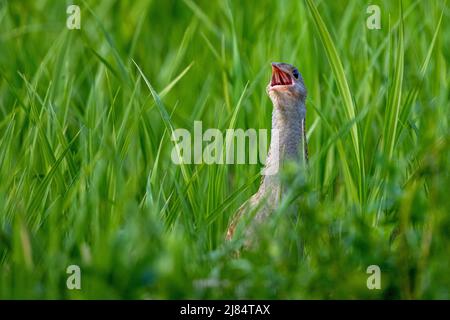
(86,118)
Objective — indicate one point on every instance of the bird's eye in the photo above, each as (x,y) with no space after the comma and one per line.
(295,73)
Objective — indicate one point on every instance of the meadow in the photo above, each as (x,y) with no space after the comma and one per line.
(86,176)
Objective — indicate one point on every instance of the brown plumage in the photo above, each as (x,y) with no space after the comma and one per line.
(287,91)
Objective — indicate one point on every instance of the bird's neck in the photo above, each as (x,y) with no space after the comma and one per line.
(287,141)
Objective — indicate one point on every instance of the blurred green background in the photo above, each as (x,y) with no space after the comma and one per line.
(85,171)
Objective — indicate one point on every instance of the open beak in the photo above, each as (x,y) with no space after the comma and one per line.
(279,77)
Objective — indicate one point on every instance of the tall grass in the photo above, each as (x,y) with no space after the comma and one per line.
(86,177)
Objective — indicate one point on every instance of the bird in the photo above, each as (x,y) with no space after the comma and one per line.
(288,93)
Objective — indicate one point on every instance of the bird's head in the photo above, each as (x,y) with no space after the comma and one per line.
(286,87)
